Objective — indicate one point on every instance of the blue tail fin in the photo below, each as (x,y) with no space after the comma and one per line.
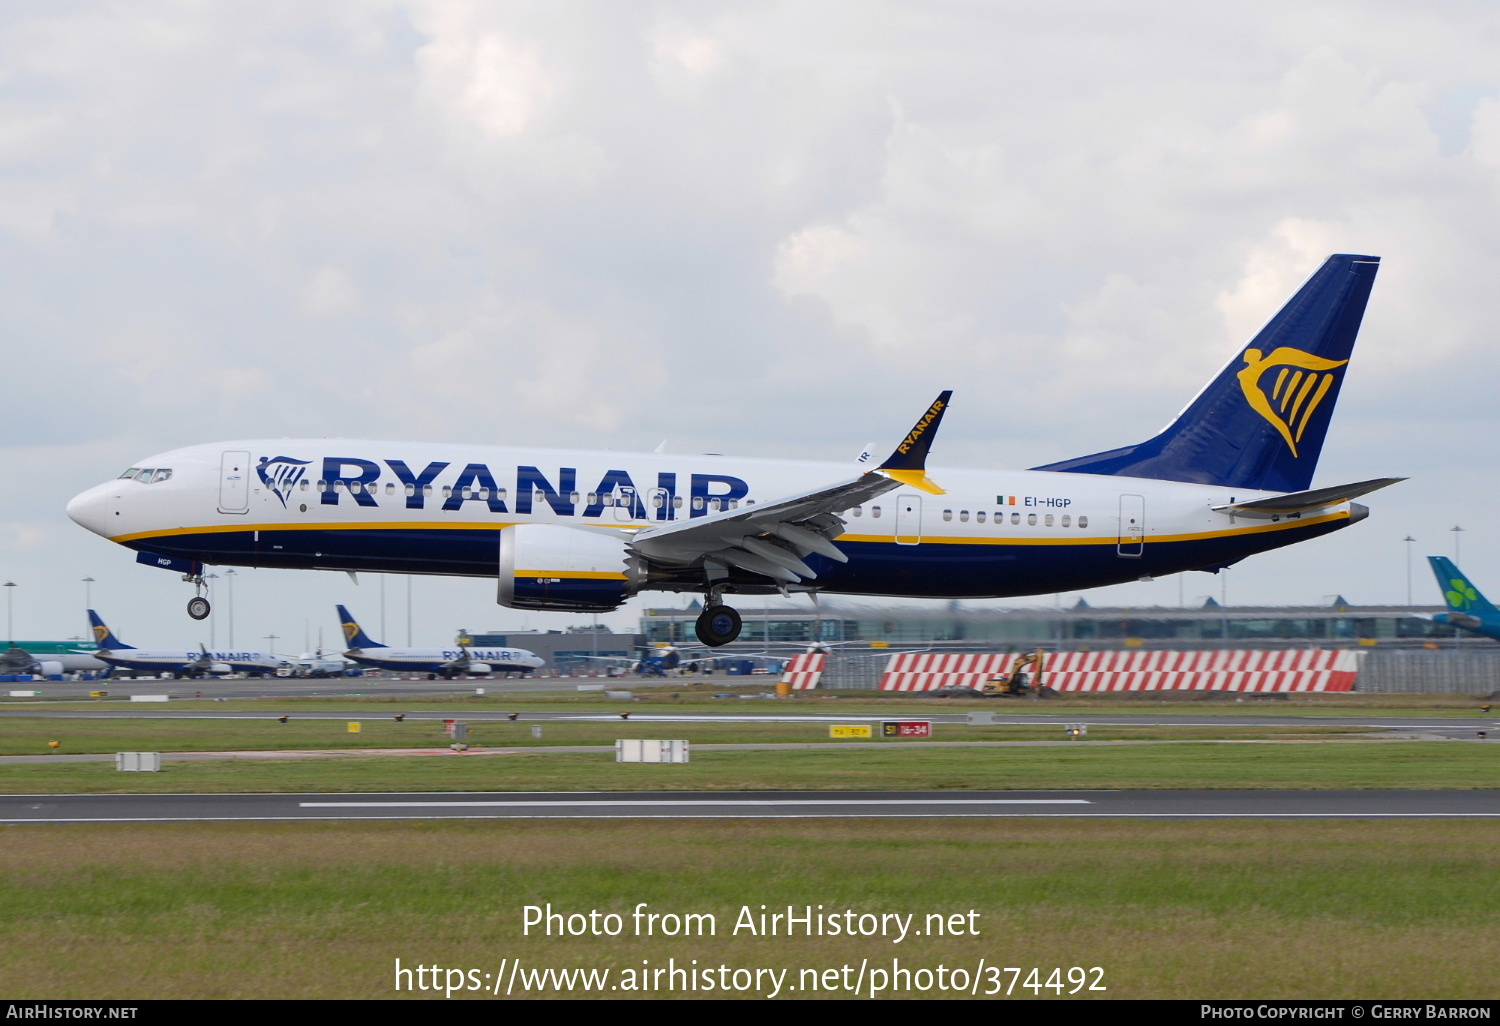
(103,636)
(1461,596)
(1260,424)
(354,634)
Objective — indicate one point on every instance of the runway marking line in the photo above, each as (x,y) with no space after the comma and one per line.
(749,802)
(807,815)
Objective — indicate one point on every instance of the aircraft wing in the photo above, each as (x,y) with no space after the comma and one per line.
(772,538)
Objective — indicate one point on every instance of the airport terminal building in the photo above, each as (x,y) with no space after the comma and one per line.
(1080,627)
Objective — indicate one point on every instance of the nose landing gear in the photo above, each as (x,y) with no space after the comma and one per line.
(197,607)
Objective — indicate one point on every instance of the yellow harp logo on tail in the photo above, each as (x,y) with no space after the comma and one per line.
(1298,389)
(350,630)
(100,633)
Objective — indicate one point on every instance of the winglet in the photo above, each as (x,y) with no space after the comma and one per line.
(908,464)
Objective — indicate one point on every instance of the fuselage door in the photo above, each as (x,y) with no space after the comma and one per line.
(1132,526)
(659,507)
(234,482)
(624,503)
(908,519)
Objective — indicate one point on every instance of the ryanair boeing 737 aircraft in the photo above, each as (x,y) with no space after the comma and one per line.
(582,531)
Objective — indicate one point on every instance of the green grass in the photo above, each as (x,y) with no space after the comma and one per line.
(1238,909)
(27,736)
(1414,764)
(700,698)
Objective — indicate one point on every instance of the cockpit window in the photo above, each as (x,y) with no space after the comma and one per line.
(147,475)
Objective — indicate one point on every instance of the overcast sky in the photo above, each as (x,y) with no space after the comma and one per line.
(771,229)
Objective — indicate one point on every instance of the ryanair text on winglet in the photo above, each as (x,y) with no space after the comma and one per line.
(916,432)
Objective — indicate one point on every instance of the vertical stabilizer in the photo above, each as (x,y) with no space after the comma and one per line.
(1461,596)
(1260,424)
(103,636)
(354,634)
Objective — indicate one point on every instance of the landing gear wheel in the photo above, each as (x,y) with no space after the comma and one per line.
(198,608)
(718,625)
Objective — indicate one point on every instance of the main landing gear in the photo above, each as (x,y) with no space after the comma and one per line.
(718,624)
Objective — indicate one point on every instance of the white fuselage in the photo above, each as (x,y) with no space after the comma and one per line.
(407,507)
(181,660)
(435,660)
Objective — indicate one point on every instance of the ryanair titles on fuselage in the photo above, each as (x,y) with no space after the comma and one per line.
(346,478)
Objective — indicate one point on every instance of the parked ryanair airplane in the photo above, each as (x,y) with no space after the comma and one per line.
(584,531)
(177,662)
(447,663)
(1467,606)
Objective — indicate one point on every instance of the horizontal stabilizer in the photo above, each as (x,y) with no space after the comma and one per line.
(1302,502)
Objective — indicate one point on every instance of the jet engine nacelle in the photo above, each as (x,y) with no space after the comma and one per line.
(50,667)
(565,569)
(220,668)
(478,669)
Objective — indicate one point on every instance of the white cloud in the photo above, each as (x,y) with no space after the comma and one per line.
(330,291)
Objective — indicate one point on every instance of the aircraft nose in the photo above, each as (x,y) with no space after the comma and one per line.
(90,509)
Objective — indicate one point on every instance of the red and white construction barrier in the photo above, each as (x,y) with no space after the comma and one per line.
(804,671)
(1231,670)
(927,671)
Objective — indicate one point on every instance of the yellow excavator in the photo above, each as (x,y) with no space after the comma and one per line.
(1023,680)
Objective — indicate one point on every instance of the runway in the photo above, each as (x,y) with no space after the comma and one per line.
(735,712)
(1198,804)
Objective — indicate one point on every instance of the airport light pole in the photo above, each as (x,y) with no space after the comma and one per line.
(230,575)
(88,599)
(272,638)
(408,610)
(1456,532)
(10,627)
(213,641)
(1409,540)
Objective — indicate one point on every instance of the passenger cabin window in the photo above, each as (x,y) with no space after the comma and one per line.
(979,516)
(573,498)
(859,511)
(1067,521)
(698,502)
(1083,521)
(411,490)
(947,514)
(447,491)
(963,516)
(1015,518)
(1031,519)
(875,512)
(676,502)
(390,489)
(1048,520)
